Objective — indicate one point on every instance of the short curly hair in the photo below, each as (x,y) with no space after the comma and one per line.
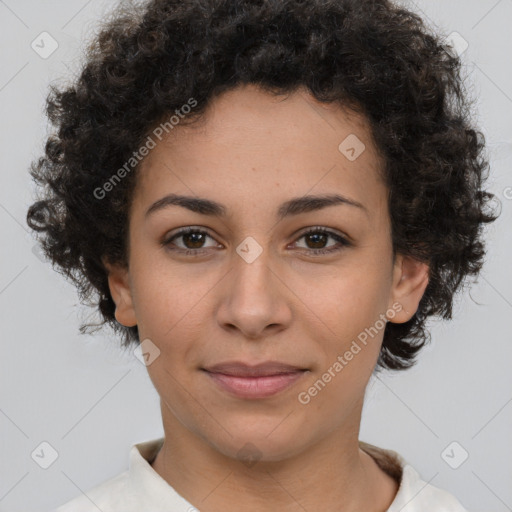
(373,56)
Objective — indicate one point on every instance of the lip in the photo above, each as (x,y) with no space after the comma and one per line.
(254,381)
(241,369)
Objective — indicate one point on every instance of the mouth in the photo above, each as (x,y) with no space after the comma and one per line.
(254,382)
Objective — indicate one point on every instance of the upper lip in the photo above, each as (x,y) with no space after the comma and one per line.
(241,369)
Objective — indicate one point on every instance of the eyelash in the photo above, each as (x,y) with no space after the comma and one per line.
(316,230)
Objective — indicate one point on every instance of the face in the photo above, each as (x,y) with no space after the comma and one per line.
(264,279)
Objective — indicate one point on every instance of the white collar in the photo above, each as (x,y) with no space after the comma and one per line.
(148,489)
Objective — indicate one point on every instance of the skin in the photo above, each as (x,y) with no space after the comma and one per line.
(252,152)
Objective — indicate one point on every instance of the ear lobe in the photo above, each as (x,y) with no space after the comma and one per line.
(410,280)
(120,289)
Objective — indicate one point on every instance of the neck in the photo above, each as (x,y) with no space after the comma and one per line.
(331,475)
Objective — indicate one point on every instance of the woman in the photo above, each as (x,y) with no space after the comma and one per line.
(269,199)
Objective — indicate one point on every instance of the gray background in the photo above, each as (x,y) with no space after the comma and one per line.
(91,402)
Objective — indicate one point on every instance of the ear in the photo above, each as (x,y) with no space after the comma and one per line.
(120,289)
(410,279)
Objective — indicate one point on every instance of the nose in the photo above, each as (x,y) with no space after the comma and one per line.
(254,299)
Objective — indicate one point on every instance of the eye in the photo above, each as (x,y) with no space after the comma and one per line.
(192,240)
(319,236)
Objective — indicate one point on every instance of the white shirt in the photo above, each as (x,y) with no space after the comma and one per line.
(142,489)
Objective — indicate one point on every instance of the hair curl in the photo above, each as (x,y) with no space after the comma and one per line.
(371,55)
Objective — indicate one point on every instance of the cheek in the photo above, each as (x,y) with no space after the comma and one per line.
(351,309)
(170,302)
(349,299)
(171,307)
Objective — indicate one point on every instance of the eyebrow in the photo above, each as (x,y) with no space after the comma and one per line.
(291,207)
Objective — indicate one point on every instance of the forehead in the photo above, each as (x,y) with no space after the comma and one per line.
(249,143)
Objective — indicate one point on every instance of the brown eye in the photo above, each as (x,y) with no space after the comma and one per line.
(192,241)
(196,239)
(316,240)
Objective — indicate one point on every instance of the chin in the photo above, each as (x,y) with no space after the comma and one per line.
(263,444)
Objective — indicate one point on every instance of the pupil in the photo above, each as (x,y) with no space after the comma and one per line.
(315,241)
(198,240)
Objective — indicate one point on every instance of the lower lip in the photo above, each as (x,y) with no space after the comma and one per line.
(255,387)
